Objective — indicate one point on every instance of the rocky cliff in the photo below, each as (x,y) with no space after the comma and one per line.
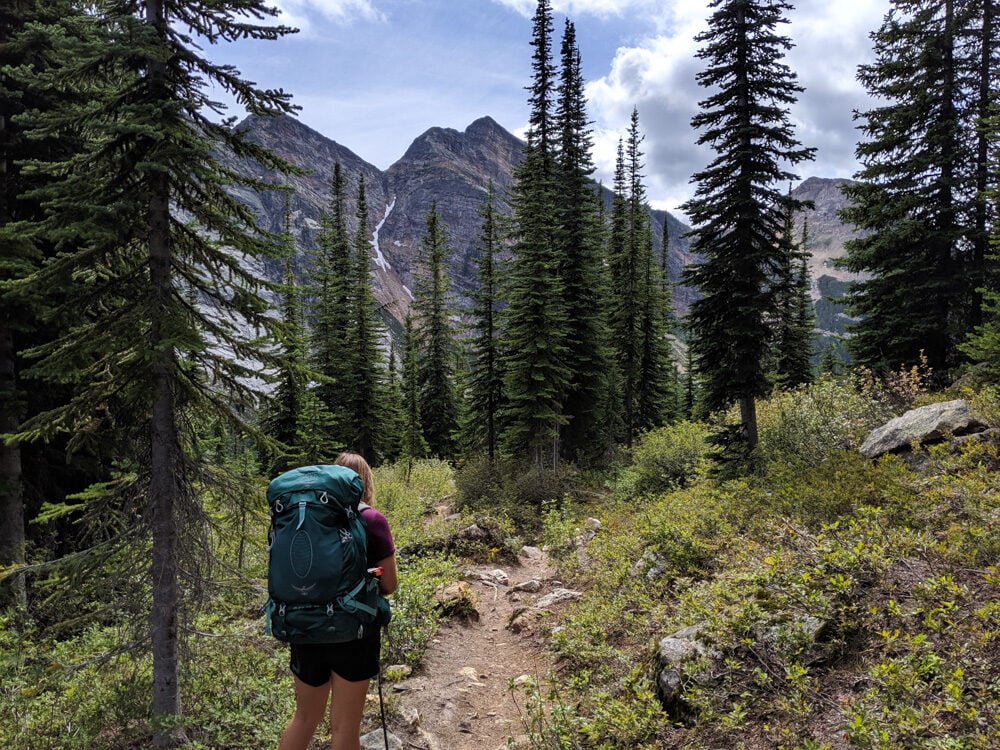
(454,169)
(827,235)
(444,165)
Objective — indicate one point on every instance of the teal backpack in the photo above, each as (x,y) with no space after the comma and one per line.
(318,584)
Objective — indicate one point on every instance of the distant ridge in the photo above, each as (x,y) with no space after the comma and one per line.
(454,168)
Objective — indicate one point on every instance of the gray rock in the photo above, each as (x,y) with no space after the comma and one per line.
(376,741)
(532,553)
(926,424)
(532,586)
(557,597)
(674,651)
(498,576)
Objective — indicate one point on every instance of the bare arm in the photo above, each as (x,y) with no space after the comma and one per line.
(389,579)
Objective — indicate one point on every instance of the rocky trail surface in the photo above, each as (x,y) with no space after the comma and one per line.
(460,697)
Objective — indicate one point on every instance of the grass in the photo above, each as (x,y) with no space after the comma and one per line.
(841,602)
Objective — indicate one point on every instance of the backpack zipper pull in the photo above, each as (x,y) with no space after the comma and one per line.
(302,514)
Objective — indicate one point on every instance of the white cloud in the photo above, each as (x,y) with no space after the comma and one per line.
(300,13)
(657,76)
(599,8)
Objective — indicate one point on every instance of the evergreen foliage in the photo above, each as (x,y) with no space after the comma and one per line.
(536,377)
(640,299)
(578,247)
(139,219)
(286,408)
(363,425)
(793,335)
(26,54)
(737,212)
(413,444)
(436,348)
(332,356)
(484,389)
(920,202)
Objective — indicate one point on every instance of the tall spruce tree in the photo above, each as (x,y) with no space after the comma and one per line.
(578,247)
(920,200)
(484,389)
(536,377)
(363,429)
(413,444)
(285,410)
(123,216)
(737,211)
(436,347)
(794,319)
(655,394)
(23,56)
(624,300)
(982,346)
(332,355)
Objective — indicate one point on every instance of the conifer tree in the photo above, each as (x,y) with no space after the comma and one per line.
(982,346)
(794,320)
(920,200)
(578,246)
(413,444)
(737,212)
(23,55)
(655,396)
(363,429)
(332,355)
(122,215)
(484,391)
(285,410)
(394,417)
(536,377)
(436,346)
(624,292)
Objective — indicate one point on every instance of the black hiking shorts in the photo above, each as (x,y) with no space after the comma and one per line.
(354,661)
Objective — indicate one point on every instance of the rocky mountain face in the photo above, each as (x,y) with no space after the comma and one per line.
(827,235)
(451,168)
(454,169)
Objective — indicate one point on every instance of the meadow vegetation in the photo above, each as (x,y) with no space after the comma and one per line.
(841,602)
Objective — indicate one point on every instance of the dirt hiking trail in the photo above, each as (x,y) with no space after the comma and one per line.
(459,698)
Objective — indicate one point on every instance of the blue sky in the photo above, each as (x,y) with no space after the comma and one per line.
(375,74)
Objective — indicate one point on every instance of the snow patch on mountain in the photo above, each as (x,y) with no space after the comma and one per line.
(379,258)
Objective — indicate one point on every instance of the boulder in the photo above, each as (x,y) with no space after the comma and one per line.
(923,425)
(674,651)
(456,600)
(376,741)
(557,597)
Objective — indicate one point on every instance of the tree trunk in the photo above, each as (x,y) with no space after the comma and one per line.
(11,499)
(748,420)
(164,450)
(163,488)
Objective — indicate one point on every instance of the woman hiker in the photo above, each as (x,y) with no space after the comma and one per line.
(340,672)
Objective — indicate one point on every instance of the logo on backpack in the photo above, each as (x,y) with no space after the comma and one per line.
(319,588)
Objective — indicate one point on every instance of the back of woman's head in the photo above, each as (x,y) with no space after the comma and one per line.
(357,463)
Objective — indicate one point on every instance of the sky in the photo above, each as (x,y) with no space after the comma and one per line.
(373,75)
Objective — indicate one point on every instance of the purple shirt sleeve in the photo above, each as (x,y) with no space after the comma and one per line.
(380,543)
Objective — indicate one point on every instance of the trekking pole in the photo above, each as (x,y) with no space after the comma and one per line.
(381,708)
(381,701)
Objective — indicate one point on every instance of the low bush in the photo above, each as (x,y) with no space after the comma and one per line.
(665,458)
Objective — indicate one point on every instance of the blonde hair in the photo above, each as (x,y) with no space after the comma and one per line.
(357,463)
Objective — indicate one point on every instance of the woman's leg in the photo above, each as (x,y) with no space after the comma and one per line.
(347,705)
(310,706)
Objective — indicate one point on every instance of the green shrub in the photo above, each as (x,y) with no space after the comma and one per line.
(665,458)
(807,425)
(514,490)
